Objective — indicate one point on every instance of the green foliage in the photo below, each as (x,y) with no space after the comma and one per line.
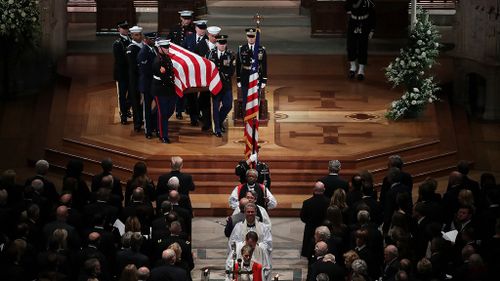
(409,69)
(20,21)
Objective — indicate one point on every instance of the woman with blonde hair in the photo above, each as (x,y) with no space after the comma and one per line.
(132,224)
(349,258)
(339,199)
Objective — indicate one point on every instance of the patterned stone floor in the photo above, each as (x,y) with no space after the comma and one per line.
(210,248)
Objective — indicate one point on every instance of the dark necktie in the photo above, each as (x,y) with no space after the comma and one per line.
(198,40)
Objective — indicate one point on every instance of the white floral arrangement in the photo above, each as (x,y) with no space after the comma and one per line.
(409,70)
(19,19)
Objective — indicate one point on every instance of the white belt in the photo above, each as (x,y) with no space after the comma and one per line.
(359,17)
(156,77)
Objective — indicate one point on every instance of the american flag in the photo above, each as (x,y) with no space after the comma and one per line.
(251,119)
(193,71)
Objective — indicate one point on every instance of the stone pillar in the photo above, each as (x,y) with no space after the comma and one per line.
(54,23)
(477,50)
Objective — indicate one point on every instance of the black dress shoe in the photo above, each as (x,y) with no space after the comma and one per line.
(194,123)
(137,130)
(178,115)
(124,122)
(128,114)
(165,140)
(218,134)
(361,77)
(149,136)
(351,74)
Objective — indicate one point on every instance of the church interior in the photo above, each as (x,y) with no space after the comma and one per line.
(59,103)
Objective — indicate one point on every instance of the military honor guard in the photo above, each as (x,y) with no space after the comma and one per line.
(145,60)
(183,29)
(244,60)
(224,59)
(177,36)
(163,87)
(133,75)
(190,43)
(120,69)
(203,49)
(360,29)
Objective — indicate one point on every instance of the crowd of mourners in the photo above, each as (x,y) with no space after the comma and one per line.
(353,230)
(96,232)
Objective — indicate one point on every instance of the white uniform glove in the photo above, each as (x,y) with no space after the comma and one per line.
(238,84)
(253,157)
(370,35)
(263,85)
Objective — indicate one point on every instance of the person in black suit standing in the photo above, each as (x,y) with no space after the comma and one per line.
(224,59)
(390,203)
(185,180)
(133,50)
(313,214)
(190,43)
(333,180)
(244,60)
(395,161)
(360,29)
(391,263)
(166,270)
(120,70)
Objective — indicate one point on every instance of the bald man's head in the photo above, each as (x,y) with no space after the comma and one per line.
(174,196)
(319,188)
(62,213)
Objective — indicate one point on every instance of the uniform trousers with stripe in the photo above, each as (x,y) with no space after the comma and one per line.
(150,115)
(222,104)
(166,108)
(123,102)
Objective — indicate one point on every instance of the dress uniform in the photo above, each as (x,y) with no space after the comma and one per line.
(133,75)
(120,69)
(145,60)
(190,43)
(203,49)
(163,87)
(360,29)
(177,35)
(244,60)
(225,61)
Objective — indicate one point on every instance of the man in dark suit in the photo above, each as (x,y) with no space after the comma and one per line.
(145,60)
(120,70)
(327,265)
(185,180)
(333,180)
(244,59)
(133,75)
(60,223)
(395,161)
(390,203)
(391,263)
(49,189)
(167,270)
(101,206)
(419,230)
(313,214)
(190,43)
(107,167)
(130,254)
(224,59)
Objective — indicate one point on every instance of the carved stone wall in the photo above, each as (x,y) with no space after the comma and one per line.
(477,51)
